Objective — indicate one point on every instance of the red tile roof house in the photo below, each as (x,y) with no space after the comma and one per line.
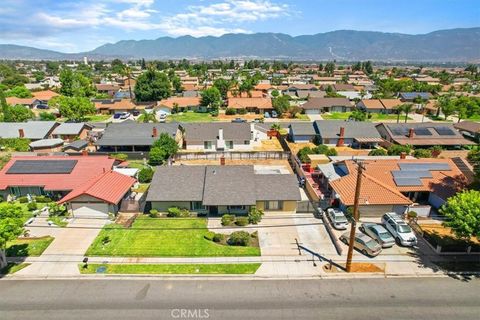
(396,185)
(255,105)
(85,183)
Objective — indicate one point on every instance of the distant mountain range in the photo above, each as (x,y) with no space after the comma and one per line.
(454,45)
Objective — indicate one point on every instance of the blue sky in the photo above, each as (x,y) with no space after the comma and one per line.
(80,25)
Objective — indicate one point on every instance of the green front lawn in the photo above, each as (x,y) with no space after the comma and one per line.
(98,118)
(11,268)
(191,116)
(240,268)
(28,247)
(162,237)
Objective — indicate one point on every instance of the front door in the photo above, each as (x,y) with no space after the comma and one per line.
(213,210)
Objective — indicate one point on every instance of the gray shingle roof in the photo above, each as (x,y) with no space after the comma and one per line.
(209,131)
(76,145)
(277,187)
(69,128)
(177,183)
(318,103)
(330,129)
(33,130)
(303,129)
(134,134)
(229,185)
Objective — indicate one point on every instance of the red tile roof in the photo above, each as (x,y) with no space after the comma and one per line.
(87,167)
(109,187)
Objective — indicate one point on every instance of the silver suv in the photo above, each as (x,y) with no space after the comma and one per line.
(399,229)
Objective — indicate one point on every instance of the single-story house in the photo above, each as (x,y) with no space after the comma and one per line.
(107,88)
(469,129)
(423,135)
(391,104)
(47,145)
(347,133)
(217,190)
(320,105)
(256,105)
(133,136)
(410,96)
(71,131)
(183,104)
(371,105)
(33,130)
(302,132)
(99,196)
(396,185)
(115,105)
(227,136)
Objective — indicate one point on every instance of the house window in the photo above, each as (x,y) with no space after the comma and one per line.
(247,142)
(207,145)
(273,205)
(235,208)
(228,145)
(197,205)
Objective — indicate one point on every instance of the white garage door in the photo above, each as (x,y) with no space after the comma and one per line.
(312,111)
(90,210)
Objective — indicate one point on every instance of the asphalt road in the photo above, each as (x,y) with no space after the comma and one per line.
(427,298)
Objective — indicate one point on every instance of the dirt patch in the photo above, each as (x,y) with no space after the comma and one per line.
(357,267)
(269,145)
(443,232)
(126,218)
(295,147)
(265,162)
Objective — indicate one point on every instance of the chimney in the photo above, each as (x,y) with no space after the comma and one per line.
(21,133)
(341,140)
(154,132)
(220,134)
(403,155)
(84,153)
(222,161)
(411,132)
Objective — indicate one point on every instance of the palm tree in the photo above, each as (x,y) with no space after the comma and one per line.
(407,108)
(399,110)
(148,116)
(128,73)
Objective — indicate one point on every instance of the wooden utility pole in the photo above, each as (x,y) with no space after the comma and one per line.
(353,228)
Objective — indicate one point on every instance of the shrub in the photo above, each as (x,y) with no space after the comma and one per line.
(331,152)
(22,199)
(153,213)
(218,237)
(239,238)
(145,175)
(55,209)
(396,149)
(106,240)
(242,111)
(412,215)
(255,215)
(378,152)
(42,199)
(422,153)
(1,199)
(228,219)
(156,156)
(119,156)
(230,112)
(175,212)
(214,113)
(241,221)
(209,235)
(32,206)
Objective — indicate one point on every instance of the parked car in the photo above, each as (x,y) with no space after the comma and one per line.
(337,218)
(399,229)
(42,106)
(117,115)
(266,115)
(274,114)
(378,233)
(162,117)
(125,115)
(136,113)
(239,120)
(363,243)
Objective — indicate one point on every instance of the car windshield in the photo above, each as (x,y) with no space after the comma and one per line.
(384,235)
(339,217)
(371,243)
(403,228)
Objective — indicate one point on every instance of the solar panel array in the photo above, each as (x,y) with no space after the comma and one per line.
(42,167)
(422,131)
(403,182)
(427,166)
(411,174)
(444,131)
(398,131)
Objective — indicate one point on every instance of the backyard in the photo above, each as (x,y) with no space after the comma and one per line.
(163,237)
(375,116)
(238,268)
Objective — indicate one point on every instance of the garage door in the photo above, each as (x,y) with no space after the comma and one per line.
(312,111)
(90,210)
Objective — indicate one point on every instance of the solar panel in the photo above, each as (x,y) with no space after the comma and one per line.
(42,167)
(444,131)
(428,166)
(412,174)
(422,132)
(400,182)
(398,131)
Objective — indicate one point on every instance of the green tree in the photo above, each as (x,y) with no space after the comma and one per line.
(378,152)
(148,117)
(167,144)
(281,104)
(474,158)
(152,86)
(19,92)
(223,85)
(11,226)
(145,175)
(117,66)
(73,108)
(211,98)
(46,116)
(358,115)
(463,214)
(407,108)
(177,84)
(330,68)
(156,156)
(17,113)
(75,84)
(422,153)
(396,149)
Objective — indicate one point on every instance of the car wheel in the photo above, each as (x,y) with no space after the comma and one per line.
(344,240)
(362,229)
(397,241)
(365,252)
